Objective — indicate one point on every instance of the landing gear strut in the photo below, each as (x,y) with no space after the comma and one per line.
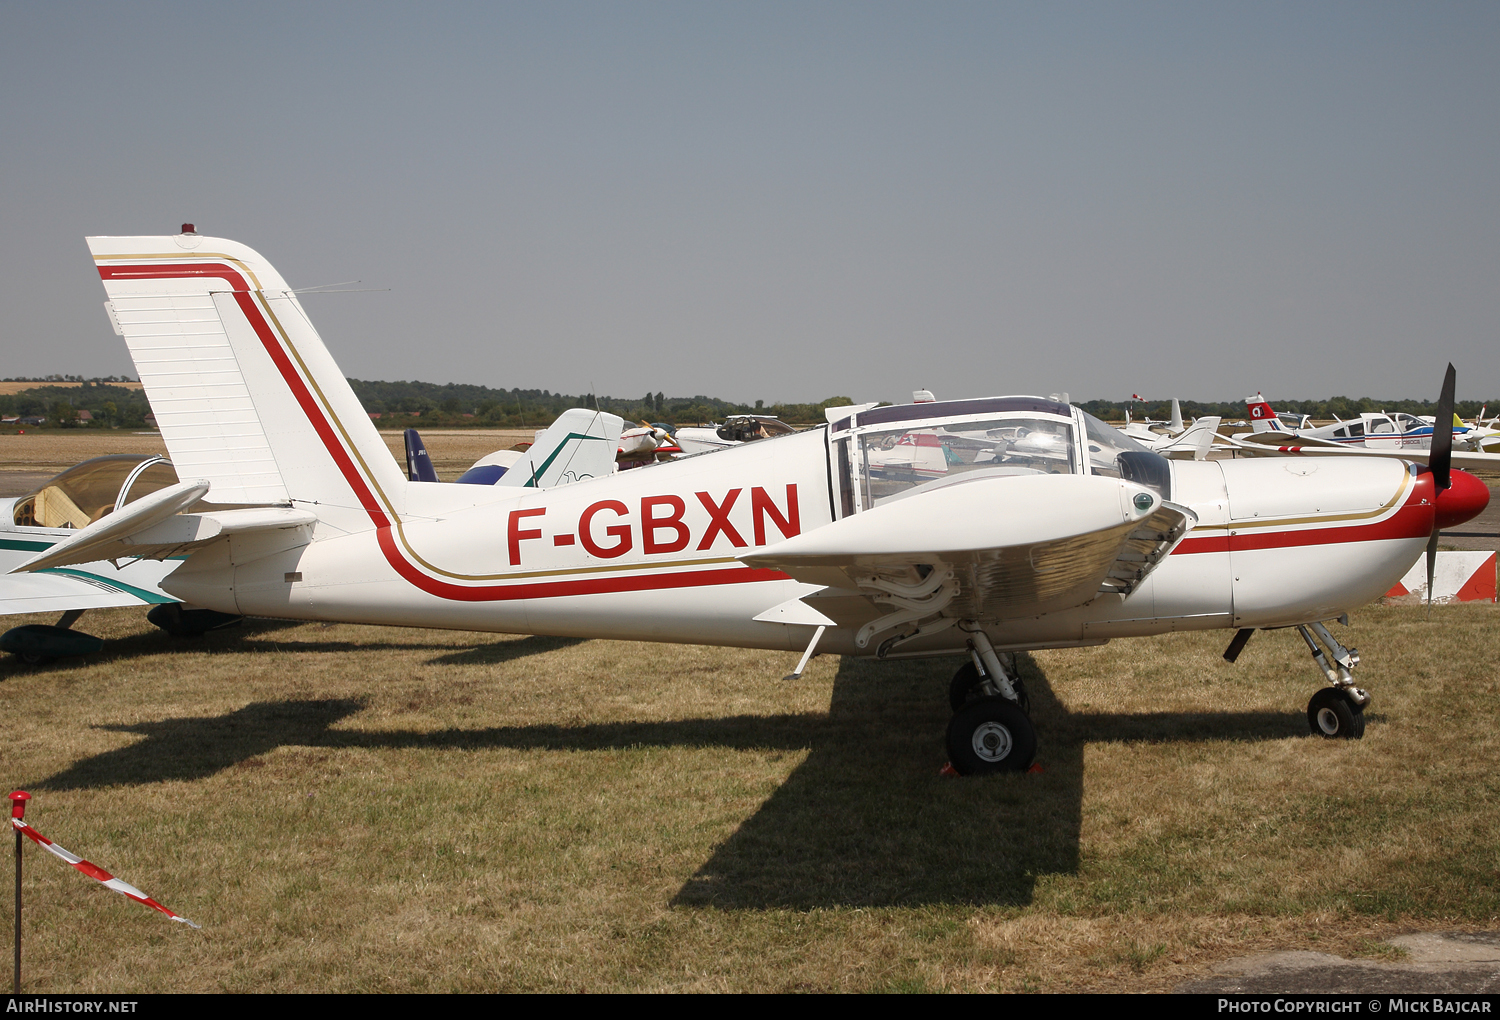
(1337,712)
(991,729)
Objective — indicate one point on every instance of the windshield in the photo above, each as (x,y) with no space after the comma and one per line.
(1105,446)
(1113,454)
(897,459)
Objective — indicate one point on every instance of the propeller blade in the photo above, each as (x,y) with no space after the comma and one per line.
(1441,458)
(1432,551)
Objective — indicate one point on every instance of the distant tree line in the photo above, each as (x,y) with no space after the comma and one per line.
(1326,409)
(68,378)
(460,403)
(111,406)
(399,404)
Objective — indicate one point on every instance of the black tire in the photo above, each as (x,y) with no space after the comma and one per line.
(33,658)
(1331,714)
(965,688)
(990,735)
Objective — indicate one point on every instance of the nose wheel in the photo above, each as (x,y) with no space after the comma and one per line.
(1331,714)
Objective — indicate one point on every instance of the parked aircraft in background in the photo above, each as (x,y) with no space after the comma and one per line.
(737,428)
(1146,430)
(646,445)
(58,510)
(1264,419)
(1172,438)
(1047,529)
(1373,431)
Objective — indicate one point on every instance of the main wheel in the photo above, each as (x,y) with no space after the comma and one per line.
(1331,714)
(965,687)
(990,735)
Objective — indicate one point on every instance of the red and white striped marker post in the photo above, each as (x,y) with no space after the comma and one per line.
(98,874)
(18,801)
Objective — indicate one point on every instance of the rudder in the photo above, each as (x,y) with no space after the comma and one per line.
(242,387)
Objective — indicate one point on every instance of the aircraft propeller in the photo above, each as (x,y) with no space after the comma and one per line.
(1439,462)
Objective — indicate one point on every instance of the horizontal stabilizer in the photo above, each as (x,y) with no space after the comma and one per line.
(173,535)
(1292,439)
(89,544)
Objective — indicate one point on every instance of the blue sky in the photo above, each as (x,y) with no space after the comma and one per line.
(787,201)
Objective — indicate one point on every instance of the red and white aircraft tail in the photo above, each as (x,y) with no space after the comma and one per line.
(245,393)
(1262,417)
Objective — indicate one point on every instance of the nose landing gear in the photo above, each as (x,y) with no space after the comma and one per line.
(1337,712)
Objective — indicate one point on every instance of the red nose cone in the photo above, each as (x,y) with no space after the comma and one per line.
(1464,501)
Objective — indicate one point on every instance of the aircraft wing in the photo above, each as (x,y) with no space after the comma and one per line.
(1288,445)
(91,586)
(1193,444)
(1286,439)
(993,548)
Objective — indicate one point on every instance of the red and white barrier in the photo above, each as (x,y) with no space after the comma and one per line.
(94,871)
(1456,577)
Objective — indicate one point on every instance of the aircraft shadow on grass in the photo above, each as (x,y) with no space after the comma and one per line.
(259,637)
(865,820)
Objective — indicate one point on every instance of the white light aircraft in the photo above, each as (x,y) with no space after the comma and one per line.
(1174,439)
(797,542)
(1374,430)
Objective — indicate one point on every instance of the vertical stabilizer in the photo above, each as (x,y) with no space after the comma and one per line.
(580,444)
(1262,418)
(1176,423)
(244,392)
(418,462)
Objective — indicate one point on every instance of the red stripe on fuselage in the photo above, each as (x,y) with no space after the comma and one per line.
(371,505)
(1413,519)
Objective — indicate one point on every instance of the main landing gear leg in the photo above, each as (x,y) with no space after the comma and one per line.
(1338,710)
(990,730)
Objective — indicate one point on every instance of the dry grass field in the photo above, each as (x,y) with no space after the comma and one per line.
(367,809)
(360,809)
(7,388)
(29,458)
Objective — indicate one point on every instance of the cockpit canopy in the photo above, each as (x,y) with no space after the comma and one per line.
(741,428)
(86,492)
(888,452)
